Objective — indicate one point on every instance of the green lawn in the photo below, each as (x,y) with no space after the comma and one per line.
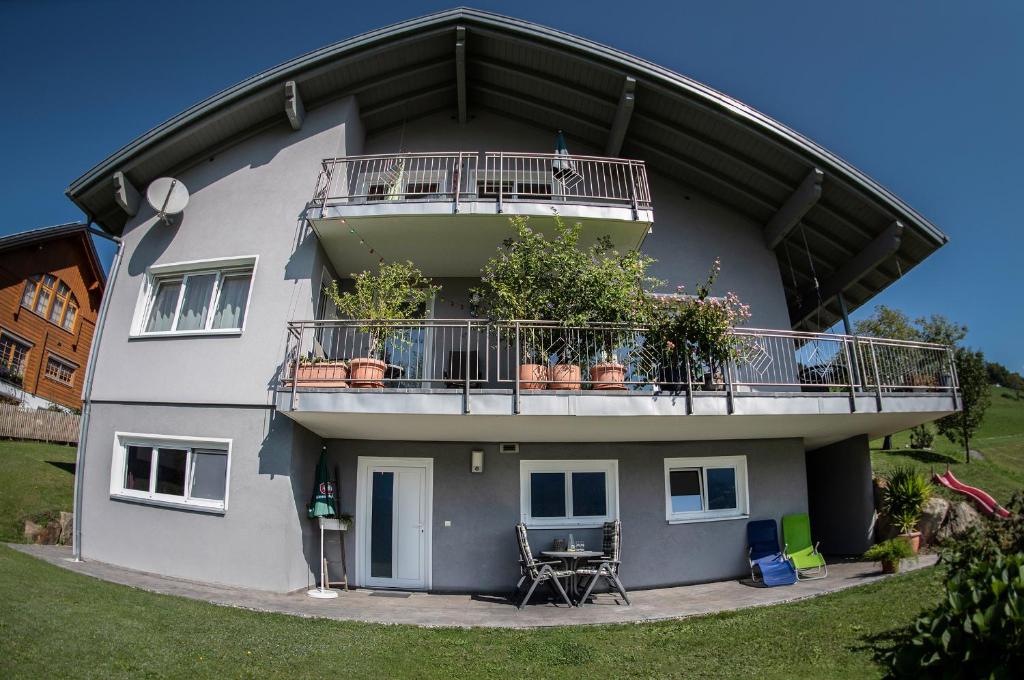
(1000,439)
(36,482)
(54,623)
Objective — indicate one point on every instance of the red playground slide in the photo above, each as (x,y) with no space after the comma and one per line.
(985,502)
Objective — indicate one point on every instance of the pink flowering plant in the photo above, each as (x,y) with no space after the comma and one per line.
(700,323)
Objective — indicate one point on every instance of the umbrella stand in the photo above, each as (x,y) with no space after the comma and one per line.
(323,505)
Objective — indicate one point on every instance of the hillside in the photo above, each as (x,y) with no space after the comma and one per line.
(1000,440)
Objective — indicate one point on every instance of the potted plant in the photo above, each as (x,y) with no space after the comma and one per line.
(889,553)
(316,372)
(515,284)
(397,291)
(614,296)
(903,498)
(699,327)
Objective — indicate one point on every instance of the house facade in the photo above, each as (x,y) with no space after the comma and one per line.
(215,386)
(51,284)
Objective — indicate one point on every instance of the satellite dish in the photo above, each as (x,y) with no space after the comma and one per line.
(167,196)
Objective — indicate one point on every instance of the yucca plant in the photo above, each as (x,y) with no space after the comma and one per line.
(906,492)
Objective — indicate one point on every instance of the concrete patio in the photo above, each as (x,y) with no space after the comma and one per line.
(469,611)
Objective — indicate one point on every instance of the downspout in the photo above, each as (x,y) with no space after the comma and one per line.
(90,371)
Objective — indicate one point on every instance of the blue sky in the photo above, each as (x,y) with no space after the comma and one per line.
(924,96)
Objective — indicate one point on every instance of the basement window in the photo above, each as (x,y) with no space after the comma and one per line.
(705,489)
(187,472)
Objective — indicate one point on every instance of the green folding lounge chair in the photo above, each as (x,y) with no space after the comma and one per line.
(796,532)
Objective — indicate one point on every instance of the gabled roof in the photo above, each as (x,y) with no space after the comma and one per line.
(856,236)
(59,231)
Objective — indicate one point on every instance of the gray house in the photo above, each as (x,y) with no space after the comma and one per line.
(205,418)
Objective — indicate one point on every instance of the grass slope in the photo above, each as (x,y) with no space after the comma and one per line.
(36,482)
(1000,439)
(55,623)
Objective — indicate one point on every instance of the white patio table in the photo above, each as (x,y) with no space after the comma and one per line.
(571,559)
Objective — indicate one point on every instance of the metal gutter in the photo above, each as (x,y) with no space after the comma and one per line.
(757,121)
(90,372)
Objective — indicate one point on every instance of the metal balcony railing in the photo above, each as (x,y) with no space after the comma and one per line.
(532,355)
(497,177)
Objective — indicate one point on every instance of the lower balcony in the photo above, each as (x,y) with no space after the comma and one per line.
(468,380)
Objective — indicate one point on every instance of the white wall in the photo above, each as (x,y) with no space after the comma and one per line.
(247,200)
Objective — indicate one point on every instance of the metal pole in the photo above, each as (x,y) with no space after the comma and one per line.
(848,330)
(689,383)
(83,430)
(465,406)
(501,178)
(878,376)
(731,408)
(849,370)
(518,357)
(295,368)
(458,180)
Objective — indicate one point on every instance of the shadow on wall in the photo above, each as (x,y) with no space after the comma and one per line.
(290,449)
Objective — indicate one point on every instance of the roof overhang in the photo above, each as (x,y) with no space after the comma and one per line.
(820,213)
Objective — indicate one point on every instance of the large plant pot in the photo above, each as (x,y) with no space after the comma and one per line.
(913,539)
(890,566)
(322,374)
(533,376)
(565,377)
(608,375)
(367,372)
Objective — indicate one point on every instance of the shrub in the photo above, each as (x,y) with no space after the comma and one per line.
(906,492)
(977,630)
(921,437)
(893,550)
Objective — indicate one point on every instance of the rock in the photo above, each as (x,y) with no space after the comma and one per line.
(67,527)
(977,455)
(878,489)
(933,516)
(32,531)
(962,517)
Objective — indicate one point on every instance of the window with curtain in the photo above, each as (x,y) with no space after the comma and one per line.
(568,493)
(206,301)
(52,299)
(702,489)
(188,472)
(13,354)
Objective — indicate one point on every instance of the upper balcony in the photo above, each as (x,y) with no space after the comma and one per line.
(417,205)
(451,379)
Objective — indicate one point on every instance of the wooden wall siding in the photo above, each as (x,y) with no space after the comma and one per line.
(67,259)
(30,423)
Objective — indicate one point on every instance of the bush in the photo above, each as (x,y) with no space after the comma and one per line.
(906,492)
(893,550)
(921,437)
(977,630)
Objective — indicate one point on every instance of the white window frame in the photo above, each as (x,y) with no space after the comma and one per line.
(737,463)
(122,440)
(609,467)
(221,267)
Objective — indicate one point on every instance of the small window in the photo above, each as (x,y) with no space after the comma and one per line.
(52,299)
(13,355)
(561,493)
(701,489)
(60,370)
(187,472)
(213,300)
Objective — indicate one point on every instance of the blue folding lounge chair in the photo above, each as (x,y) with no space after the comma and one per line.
(765,557)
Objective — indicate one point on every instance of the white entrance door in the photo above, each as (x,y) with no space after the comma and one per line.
(394,536)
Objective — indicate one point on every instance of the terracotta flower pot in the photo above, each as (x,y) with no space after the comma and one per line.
(367,372)
(565,377)
(322,374)
(890,566)
(531,374)
(914,539)
(608,375)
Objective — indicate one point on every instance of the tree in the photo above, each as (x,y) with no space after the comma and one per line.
(973,378)
(887,322)
(938,329)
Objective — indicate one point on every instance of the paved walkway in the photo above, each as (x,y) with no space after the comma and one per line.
(467,611)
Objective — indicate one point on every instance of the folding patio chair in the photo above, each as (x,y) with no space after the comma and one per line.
(539,572)
(796,532)
(765,557)
(606,566)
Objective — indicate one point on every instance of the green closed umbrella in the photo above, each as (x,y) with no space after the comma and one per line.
(322,503)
